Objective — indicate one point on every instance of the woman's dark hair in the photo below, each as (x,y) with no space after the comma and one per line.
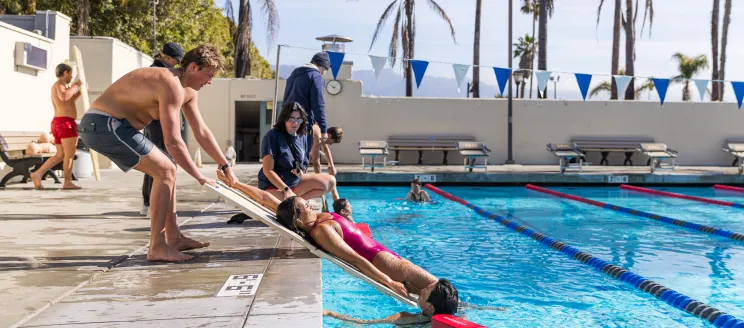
(61,69)
(287,111)
(444,297)
(416,181)
(335,134)
(288,213)
(340,204)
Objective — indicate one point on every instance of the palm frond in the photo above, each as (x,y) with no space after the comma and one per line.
(599,11)
(601,88)
(650,11)
(393,50)
(435,6)
(381,25)
(272,20)
(229,11)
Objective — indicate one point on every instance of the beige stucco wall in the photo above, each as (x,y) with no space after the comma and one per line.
(105,60)
(26,94)
(696,130)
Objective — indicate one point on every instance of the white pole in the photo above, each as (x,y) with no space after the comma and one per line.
(276,86)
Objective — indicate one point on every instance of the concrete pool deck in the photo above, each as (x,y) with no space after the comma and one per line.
(77,258)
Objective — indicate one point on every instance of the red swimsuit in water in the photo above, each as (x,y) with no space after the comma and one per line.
(358,241)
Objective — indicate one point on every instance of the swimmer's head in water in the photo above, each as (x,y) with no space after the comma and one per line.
(439,298)
(200,65)
(292,119)
(65,71)
(335,134)
(416,185)
(342,207)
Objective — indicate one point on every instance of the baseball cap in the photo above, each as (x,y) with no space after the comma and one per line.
(321,59)
(174,50)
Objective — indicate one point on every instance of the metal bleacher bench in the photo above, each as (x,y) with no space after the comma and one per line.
(426,142)
(577,149)
(607,145)
(13,153)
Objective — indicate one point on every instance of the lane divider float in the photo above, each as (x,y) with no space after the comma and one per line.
(689,225)
(669,296)
(728,188)
(681,196)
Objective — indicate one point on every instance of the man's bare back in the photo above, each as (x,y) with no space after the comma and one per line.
(136,96)
(63,108)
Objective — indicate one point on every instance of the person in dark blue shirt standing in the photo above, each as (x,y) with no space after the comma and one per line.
(284,152)
(169,57)
(305,86)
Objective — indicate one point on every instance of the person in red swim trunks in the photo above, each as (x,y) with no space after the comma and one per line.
(64,128)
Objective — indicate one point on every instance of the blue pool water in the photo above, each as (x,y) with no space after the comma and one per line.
(493,266)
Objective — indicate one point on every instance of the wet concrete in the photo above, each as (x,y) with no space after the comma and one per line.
(84,252)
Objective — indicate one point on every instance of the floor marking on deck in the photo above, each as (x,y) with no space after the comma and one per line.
(241,285)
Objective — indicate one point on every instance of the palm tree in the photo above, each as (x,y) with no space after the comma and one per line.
(724,43)
(245,28)
(532,7)
(618,21)
(607,87)
(714,44)
(476,51)
(525,50)
(688,67)
(544,11)
(83,17)
(405,24)
(615,42)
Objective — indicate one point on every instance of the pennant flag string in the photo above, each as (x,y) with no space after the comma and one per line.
(661,86)
(337,59)
(419,68)
(378,64)
(583,80)
(702,86)
(482,65)
(542,80)
(738,91)
(621,82)
(502,76)
(460,72)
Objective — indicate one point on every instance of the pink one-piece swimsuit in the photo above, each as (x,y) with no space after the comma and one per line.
(358,241)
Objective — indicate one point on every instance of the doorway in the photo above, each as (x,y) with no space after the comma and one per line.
(248,131)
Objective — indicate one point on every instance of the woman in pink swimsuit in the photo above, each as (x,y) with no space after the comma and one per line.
(343,239)
(340,237)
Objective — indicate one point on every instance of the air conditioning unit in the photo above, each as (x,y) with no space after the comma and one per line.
(31,57)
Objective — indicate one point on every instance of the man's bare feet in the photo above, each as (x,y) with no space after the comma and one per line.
(70,186)
(36,179)
(184,243)
(166,253)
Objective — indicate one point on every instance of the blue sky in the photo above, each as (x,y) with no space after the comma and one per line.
(575,44)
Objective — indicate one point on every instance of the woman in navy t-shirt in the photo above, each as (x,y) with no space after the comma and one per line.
(285,150)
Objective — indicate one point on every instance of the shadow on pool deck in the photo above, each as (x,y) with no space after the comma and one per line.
(84,252)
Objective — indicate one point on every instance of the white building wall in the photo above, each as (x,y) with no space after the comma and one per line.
(26,93)
(696,130)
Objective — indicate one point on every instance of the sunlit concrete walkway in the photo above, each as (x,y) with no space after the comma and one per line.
(77,258)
